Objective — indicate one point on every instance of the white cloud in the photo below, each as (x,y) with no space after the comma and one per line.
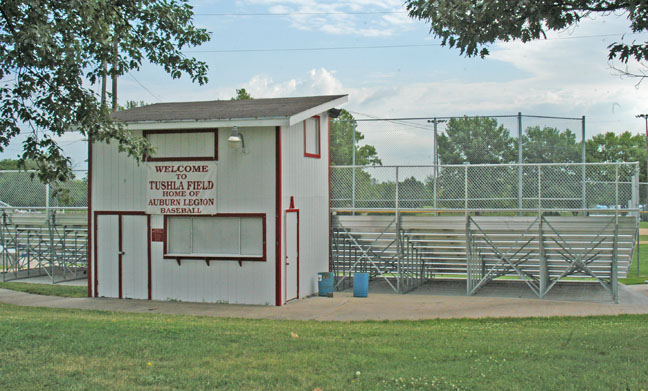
(317,82)
(308,15)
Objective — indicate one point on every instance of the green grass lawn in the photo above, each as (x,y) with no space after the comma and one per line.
(633,277)
(47,289)
(87,350)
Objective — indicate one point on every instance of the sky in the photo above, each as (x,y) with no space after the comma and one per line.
(391,67)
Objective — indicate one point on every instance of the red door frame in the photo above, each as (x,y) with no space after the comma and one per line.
(291,210)
(120,215)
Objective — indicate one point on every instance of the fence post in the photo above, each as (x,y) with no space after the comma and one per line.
(636,202)
(4,252)
(47,198)
(616,186)
(399,244)
(436,163)
(634,197)
(466,188)
(520,162)
(544,268)
(353,163)
(614,278)
(539,187)
(583,174)
(396,203)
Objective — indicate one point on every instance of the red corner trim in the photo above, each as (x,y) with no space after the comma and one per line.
(278,216)
(329,190)
(148,239)
(90,235)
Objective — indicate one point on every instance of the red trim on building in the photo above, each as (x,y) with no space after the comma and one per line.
(180,158)
(293,210)
(319,138)
(278,216)
(329,190)
(120,254)
(148,240)
(90,236)
(96,269)
(262,258)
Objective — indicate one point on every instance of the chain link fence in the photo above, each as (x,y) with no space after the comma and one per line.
(414,141)
(22,189)
(566,186)
(43,228)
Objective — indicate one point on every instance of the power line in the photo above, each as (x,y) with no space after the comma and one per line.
(301,13)
(311,49)
(325,48)
(397,121)
(144,87)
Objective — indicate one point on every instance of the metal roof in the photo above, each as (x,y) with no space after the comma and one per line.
(224,109)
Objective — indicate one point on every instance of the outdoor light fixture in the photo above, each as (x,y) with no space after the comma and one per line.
(236,137)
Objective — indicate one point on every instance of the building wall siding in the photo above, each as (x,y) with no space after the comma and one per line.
(245,184)
(306,179)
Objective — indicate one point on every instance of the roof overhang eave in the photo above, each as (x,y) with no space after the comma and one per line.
(294,119)
(207,124)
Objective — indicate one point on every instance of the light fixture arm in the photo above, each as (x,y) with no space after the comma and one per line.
(242,143)
(237,137)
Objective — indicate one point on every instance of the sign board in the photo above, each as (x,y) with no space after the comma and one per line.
(158,235)
(181,188)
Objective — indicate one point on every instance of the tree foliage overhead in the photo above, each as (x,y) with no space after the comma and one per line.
(476,140)
(471,25)
(342,144)
(550,145)
(624,147)
(52,52)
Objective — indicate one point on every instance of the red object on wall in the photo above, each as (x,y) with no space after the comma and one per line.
(158,235)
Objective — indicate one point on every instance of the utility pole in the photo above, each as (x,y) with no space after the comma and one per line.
(436,121)
(645,117)
(114,75)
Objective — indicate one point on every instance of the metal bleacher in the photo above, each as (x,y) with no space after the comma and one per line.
(409,249)
(43,243)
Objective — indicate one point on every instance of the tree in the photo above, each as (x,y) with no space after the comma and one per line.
(624,147)
(342,144)
(476,140)
(131,104)
(470,26)
(12,164)
(550,145)
(242,94)
(52,52)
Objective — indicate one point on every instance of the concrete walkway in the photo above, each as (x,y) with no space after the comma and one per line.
(419,304)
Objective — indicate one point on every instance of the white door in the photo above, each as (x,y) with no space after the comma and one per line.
(134,257)
(122,256)
(291,270)
(107,242)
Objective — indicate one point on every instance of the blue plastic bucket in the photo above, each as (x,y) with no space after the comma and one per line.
(361,284)
(325,283)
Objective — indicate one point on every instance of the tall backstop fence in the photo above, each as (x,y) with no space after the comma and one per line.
(537,223)
(514,138)
(43,228)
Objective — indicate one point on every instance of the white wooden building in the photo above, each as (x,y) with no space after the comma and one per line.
(205,219)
